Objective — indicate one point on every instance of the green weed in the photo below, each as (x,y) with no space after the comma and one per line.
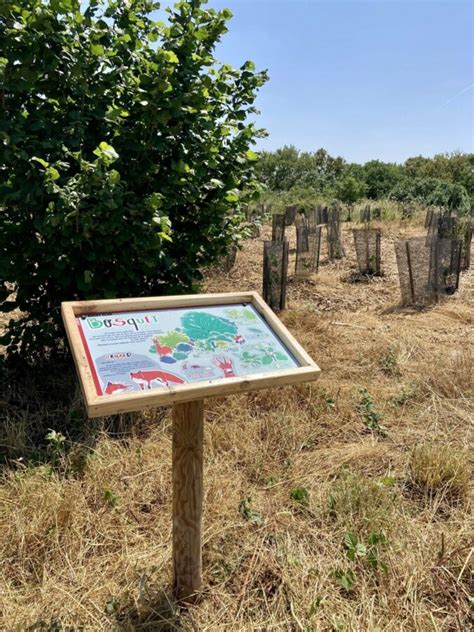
(56,446)
(372,418)
(389,365)
(405,396)
(110,498)
(300,495)
(248,513)
(112,606)
(345,579)
(369,551)
(315,606)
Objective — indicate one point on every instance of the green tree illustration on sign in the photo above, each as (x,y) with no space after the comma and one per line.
(208,329)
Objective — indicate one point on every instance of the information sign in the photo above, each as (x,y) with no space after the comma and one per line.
(138,353)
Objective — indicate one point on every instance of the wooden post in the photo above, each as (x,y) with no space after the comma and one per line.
(187,498)
(278,227)
(410,271)
(275,272)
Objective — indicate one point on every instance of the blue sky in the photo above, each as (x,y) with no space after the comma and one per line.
(364,79)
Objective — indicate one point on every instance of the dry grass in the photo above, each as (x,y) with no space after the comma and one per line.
(289,473)
(441,470)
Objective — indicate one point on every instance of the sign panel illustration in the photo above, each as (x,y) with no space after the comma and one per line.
(137,351)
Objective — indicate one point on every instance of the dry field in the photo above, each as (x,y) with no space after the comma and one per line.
(341,505)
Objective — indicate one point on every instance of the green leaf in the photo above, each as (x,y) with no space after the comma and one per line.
(315,606)
(3,65)
(42,162)
(248,513)
(155,201)
(350,540)
(106,152)
(55,438)
(360,550)
(114,112)
(97,49)
(300,495)
(345,579)
(114,176)
(52,173)
(171,56)
(232,196)
(181,167)
(112,606)
(377,538)
(251,155)
(62,6)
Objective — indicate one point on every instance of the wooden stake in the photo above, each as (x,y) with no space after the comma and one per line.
(187,498)
(410,271)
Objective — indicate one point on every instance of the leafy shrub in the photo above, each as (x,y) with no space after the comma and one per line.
(433,191)
(380,178)
(125,154)
(292,176)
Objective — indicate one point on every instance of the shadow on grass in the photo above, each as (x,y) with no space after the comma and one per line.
(358,277)
(37,400)
(159,614)
(401,308)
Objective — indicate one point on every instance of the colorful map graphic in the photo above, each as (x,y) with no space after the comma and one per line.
(143,350)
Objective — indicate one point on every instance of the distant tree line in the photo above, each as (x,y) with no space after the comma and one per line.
(445,180)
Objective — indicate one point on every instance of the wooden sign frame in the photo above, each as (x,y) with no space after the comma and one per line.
(97,405)
(187,402)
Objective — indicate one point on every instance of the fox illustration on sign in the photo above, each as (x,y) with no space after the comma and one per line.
(145,378)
